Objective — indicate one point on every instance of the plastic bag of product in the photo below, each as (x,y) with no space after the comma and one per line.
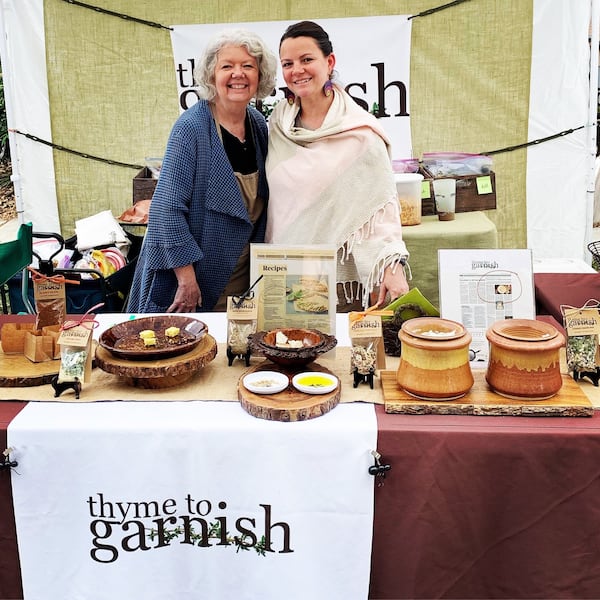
(405,165)
(442,164)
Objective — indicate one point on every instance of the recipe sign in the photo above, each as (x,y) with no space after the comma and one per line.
(297,286)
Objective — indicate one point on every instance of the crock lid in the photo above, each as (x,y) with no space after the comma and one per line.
(525,330)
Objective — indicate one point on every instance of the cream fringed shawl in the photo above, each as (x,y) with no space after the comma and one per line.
(334,185)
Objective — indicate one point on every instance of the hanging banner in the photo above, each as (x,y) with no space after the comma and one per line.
(372,62)
(192,500)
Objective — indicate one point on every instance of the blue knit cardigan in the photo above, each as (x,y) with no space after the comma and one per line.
(197,215)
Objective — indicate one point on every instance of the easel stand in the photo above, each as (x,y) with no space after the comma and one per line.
(363,377)
(593,376)
(231,356)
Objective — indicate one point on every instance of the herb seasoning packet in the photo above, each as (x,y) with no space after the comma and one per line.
(75,354)
(242,319)
(583,330)
(50,300)
(367,352)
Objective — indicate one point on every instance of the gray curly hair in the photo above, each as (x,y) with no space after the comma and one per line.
(204,73)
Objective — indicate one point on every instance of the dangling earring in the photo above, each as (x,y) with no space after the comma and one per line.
(289,96)
(328,88)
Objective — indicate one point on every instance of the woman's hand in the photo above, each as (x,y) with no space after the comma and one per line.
(394,284)
(188,296)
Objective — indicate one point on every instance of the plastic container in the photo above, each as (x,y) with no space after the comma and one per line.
(408,187)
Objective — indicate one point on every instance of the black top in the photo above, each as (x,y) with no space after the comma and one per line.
(242,155)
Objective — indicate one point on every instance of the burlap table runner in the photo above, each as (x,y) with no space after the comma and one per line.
(215,381)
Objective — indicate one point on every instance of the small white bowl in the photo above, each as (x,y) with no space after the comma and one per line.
(265,382)
(315,382)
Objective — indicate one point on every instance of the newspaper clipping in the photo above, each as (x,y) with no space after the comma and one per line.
(297,286)
(479,287)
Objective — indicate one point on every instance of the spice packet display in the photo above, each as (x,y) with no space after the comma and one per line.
(583,331)
(367,353)
(242,320)
(582,352)
(237,335)
(75,354)
(363,356)
(50,300)
(72,364)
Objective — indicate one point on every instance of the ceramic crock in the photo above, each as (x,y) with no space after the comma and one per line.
(524,360)
(434,363)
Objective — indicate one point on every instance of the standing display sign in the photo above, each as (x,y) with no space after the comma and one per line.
(297,286)
(481,286)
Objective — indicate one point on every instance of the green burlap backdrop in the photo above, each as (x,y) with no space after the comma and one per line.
(112,88)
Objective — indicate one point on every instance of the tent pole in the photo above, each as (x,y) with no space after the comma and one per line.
(592,118)
(9,87)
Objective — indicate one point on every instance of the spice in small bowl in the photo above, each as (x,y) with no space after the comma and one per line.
(265,382)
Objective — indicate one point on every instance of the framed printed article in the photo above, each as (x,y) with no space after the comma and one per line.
(296,286)
(479,287)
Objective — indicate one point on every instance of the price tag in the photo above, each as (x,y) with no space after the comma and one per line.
(425,190)
(484,185)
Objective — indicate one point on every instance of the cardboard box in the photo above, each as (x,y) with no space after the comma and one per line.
(473,192)
(143,185)
(13,337)
(38,347)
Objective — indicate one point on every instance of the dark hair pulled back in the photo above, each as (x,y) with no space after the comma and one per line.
(312,30)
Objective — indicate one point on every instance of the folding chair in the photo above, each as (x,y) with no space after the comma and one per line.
(15,257)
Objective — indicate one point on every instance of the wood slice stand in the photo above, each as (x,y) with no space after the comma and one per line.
(16,370)
(570,401)
(161,373)
(290,404)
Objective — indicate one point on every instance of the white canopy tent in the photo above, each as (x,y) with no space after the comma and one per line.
(563,96)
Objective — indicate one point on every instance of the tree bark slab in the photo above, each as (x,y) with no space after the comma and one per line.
(481,400)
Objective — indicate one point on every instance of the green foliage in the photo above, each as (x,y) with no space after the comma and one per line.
(266,108)
(239,542)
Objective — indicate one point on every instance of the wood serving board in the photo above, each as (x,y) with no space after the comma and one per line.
(290,404)
(16,370)
(159,373)
(570,401)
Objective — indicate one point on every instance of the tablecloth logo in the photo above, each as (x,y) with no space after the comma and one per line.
(124,526)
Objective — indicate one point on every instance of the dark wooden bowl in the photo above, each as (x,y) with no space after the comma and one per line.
(263,344)
(308,337)
(122,340)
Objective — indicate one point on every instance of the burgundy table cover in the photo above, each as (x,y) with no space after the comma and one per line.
(555,289)
(487,507)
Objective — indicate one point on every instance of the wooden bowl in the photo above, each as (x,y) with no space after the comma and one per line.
(308,337)
(123,340)
(316,343)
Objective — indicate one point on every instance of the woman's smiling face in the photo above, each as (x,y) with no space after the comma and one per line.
(236,74)
(305,68)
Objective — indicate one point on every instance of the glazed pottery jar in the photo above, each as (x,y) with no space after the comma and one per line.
(434,363)
(524,359)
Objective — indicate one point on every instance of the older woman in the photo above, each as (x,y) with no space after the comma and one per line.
(330,174)
(209,202)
